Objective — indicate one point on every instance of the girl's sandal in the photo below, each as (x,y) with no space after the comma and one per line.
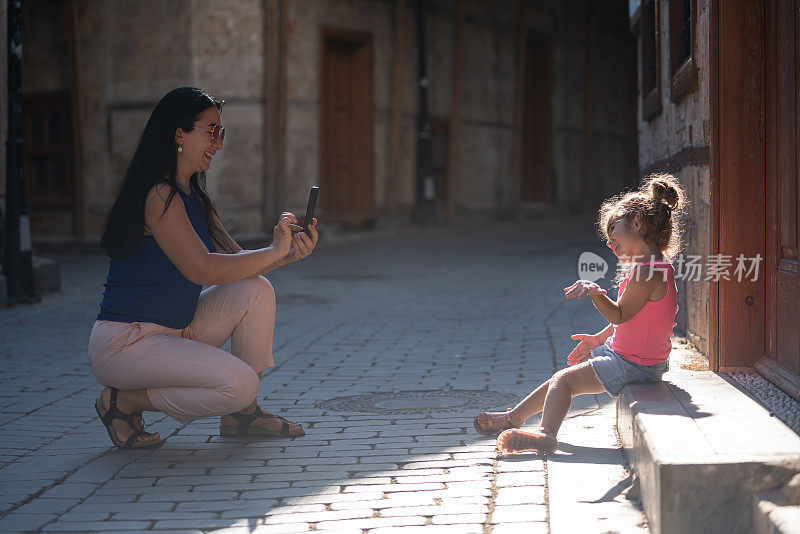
(515,440)
(245,420)
(108,416)
(492,423)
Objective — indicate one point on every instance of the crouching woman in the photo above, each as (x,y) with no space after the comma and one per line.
(156,343)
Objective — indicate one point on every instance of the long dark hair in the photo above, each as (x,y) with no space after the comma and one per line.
(156,162)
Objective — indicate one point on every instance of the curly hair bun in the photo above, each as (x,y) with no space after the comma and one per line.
(664,188)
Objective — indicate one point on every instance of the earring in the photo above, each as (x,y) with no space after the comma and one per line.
(180,148)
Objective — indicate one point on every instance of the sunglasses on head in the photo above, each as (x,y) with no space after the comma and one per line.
(217,132)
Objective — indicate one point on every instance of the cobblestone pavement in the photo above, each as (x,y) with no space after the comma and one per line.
(446,320)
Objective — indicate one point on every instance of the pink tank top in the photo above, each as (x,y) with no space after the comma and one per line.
(645,337)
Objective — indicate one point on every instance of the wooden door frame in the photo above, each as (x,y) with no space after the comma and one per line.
(355,37)
(743,170)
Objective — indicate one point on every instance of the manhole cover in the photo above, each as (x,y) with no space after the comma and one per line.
(350,276)
(299,298)
(420,401)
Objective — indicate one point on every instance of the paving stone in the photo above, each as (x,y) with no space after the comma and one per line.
(457,519)
(520,495)
(249,486)
(519,513)
(141,490)
(436,509)
(283,493)
(248,508)
(394,488)
(376,468)
(156,516)
(333,498)
(130,483)
(198,523)
(318,517)
(372,523)
(113,507)
(188,496)
(539,527)
(47,506)
(15,522)
(97,526)
(210,480)
(520,463)
(85,516)
(430,529)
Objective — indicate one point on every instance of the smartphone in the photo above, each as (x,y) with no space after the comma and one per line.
(312,204)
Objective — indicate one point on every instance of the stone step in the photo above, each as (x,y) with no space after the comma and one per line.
(702,449)
(772,517)
(778,511)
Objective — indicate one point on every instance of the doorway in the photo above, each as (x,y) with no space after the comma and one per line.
(755,186)
(346,127)
(782,361)
(537,137)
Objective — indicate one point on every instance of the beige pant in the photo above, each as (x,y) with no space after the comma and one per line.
(186,374)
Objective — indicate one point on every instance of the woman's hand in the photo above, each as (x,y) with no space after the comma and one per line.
(581,288)
(581,352)
(282,233)
(302,244)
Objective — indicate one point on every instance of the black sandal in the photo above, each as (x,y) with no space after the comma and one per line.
(245,420)
(115,413)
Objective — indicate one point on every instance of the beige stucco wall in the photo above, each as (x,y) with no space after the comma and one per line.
(681,125)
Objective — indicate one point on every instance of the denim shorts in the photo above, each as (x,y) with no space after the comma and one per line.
(613,371)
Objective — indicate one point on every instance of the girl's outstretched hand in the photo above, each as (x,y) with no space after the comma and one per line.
(581,352)
(581,288)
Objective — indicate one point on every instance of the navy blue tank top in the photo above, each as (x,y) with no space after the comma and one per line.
(147,287)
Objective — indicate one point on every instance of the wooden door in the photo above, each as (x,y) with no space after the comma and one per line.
(782,364)
(537,163)
(738,321)
(346,124)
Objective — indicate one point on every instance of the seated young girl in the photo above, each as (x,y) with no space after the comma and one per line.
(642,229)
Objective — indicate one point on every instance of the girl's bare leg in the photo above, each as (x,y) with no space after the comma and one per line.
(530,406)
(564,385)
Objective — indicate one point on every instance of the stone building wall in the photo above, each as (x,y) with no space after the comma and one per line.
(677,141)
(131,52)
(612,149)
(487,114)
(45,69)
(484,180)
(227,59)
